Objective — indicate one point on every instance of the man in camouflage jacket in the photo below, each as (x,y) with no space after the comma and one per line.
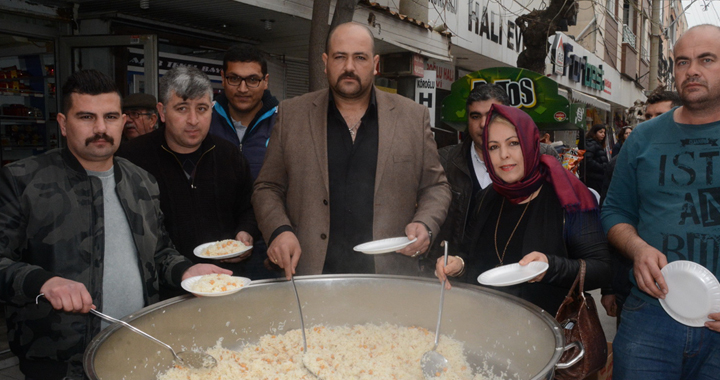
(52,229)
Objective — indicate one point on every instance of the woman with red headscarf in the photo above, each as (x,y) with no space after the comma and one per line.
(535,211)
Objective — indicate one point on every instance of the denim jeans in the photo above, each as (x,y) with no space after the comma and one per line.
(651,345)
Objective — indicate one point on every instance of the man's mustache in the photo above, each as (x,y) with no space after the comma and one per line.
(349,76)
(694,80)
(100,137)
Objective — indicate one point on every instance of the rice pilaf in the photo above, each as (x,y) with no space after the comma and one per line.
(213,283)
(335,353)
(224,247)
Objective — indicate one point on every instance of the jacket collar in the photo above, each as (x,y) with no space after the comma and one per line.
(269,102)
(76,168)
(158,136)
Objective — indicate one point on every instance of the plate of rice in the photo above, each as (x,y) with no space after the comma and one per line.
(223,249)
(214,285)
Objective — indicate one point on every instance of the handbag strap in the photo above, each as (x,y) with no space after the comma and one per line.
(580,278)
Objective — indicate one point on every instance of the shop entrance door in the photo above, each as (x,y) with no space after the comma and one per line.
(107,54)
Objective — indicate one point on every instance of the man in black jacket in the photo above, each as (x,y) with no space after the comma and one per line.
(205,183)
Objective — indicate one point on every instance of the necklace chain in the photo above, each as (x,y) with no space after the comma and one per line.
(353,129)
(501,258)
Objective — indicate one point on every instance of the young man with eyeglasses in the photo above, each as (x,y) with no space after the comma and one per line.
(141,113)
(245,113)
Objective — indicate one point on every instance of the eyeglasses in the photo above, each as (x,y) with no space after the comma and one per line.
(137,114)
(251,82)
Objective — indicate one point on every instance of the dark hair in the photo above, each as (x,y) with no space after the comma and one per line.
(664,96)
(245,53)
(621,133)
(485,91)
(86,82)
(332,31)
(593,132)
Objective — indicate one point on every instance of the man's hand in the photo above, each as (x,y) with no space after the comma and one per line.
(246,239)
(67,295)
(647,264)
(285,252)
(412,231)
(534,256)
(201,269)
(714,325)
(610,305)
(647,261)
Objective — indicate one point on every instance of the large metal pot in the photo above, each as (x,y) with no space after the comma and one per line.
(509,334)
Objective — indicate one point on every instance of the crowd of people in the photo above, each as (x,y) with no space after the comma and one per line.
(111,220)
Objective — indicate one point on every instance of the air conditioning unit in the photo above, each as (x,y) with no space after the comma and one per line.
(402,64)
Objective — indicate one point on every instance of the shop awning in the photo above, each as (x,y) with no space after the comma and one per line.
(589,100)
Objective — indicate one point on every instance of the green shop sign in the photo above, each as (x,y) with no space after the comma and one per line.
(534,93)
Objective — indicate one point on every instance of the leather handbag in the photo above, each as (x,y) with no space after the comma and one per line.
(579,319)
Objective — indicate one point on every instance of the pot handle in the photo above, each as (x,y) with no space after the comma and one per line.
(574,360)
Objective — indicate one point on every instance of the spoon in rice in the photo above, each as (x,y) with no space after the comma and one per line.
(302,326)
(432,362)
(190,359)
(193,360)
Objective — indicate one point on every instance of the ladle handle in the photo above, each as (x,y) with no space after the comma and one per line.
(302,320)
(136,330)
(442,298)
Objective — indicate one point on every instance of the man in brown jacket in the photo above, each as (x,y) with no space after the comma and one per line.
(349,165)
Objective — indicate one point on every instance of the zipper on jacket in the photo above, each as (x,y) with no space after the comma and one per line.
(192,183)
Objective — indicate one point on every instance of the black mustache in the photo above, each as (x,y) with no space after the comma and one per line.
(100,137)
(350,76)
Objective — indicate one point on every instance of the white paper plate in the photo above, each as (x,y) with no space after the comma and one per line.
(190,282)
(198,251)
(693,293)
(512,274)
(384,246)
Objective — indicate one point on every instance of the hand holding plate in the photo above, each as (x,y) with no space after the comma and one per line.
(416,231)
(534,256)
(246,239)
(648,262)
(201,269)
(713,325)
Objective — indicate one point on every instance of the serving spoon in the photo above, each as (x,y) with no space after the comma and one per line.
(302,326)
(432,362)
(190,359)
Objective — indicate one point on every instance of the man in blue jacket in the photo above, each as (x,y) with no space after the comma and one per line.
(245,113)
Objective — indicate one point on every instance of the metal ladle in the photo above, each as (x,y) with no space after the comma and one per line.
(194,360)
(302,326)
(432,362)
(190,359)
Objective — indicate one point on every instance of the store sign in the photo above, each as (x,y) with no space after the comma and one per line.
(425,93)
(577,115)
(418,69)
(576,67)
(558,55)
(444,73)
(483,27)
(167,61)
(534,93)
(521,92)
